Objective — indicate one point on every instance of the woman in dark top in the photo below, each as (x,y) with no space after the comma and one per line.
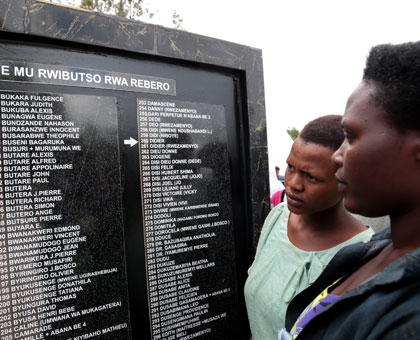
(372,290)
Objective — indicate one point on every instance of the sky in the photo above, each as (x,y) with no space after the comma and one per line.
(313,50)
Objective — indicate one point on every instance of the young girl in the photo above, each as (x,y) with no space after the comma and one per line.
(300,236)
(372,291)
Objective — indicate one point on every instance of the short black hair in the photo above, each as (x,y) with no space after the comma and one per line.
(325,131)
(394,71)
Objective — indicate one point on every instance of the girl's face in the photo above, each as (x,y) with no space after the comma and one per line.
(310,183)
(375,160)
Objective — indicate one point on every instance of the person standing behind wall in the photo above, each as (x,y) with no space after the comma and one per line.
(277,198)
(301,235)
(279,177)
(275,184)
(280,194)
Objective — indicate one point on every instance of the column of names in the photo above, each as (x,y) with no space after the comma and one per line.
(184,225)
(41,283)
(36,256)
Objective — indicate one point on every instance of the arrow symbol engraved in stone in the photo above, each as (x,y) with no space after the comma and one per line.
(130,141)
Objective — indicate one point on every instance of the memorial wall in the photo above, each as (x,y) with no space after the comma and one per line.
(133,178)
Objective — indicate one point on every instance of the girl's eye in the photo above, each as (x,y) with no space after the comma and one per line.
(311,178)
(348,136)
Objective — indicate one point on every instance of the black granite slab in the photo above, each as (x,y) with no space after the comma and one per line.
(108,191)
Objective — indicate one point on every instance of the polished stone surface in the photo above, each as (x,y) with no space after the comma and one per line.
(206,71)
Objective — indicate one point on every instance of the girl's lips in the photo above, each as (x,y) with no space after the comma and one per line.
(342,185)
(294,200)
(340,179)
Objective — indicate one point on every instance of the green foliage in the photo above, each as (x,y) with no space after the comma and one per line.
(177,20)
(132,9)
(293,133)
